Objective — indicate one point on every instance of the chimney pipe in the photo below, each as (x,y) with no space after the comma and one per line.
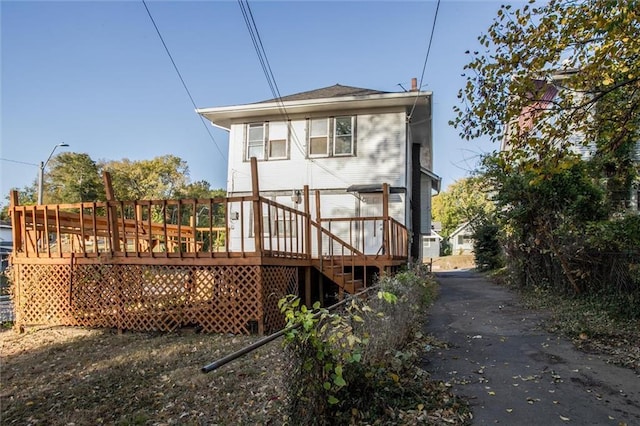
(414,84)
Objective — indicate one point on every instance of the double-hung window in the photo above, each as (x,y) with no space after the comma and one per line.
(318,137)
(331,136)
(255,140)
(267,141)
(343,136)
(278,131)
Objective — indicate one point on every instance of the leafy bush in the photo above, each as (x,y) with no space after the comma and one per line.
(353,365)
(486,247)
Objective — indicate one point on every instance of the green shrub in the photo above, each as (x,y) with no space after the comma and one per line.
(351,365)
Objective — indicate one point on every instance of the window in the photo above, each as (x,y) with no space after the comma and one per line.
(267,140)
(278,139)
(318,137)
(343,136)
(331,136)
(255,140)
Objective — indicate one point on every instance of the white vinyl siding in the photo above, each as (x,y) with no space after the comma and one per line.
(380,145)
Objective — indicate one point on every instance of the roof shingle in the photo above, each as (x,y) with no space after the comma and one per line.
(334,91)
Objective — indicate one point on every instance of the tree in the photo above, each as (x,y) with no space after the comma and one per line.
(550,81)
(463,200)
(588,50)
(72,178)
(160,178)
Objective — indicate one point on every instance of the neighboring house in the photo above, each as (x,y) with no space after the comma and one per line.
(432,244)
(461,239)
(6,244)
(345,142)
(548,89)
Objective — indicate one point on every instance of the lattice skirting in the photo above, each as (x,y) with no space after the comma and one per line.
(219,299)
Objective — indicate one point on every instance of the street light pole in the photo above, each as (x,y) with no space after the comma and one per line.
(43,164)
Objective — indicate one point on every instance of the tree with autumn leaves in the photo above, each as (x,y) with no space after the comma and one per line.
(558,86)
(75,177)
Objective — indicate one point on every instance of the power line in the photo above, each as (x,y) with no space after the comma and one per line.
(19,162)
(268,73)
(182,80)
(426,58)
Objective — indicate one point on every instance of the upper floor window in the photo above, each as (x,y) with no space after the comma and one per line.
(278,139)
(331,136)
(255,140)
(318,137)
(343,136)
(267,140)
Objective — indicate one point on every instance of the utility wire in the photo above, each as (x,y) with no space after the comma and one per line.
(426,58)
(268,73)
(19,162)
(182,80)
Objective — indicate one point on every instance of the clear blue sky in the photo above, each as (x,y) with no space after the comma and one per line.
(95,74)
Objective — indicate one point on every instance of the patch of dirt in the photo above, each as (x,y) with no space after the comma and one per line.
(449,263)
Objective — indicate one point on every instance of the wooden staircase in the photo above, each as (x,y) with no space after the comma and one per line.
(342,263)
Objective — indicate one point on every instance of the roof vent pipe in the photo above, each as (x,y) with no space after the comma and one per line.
(414,84)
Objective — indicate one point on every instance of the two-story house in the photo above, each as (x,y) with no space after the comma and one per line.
(345,143)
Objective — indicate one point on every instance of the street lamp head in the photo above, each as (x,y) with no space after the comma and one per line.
(43,164)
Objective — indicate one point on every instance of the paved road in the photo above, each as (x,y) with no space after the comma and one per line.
(513,372)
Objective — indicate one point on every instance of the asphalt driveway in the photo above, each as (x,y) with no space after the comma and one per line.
(513,372)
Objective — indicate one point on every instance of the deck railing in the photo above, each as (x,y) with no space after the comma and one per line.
(378,236)
(197,228)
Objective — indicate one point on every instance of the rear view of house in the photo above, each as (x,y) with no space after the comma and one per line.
(344,142)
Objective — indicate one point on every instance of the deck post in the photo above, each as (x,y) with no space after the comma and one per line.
(257,206)
(385,214)
(318,221)
(307,222)
(307,245)
(113,211)
(16,221)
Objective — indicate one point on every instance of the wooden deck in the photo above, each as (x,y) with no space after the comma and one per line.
(219,263)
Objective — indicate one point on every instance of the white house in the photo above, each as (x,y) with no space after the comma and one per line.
(461,239)
(345,142)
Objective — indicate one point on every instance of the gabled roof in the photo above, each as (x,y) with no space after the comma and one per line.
(461,228)
(335,91)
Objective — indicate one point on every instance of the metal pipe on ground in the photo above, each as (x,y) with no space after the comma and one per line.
(235,355)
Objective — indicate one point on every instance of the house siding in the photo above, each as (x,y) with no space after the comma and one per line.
(380,153)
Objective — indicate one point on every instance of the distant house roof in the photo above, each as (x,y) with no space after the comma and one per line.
(334,91)
(464,229)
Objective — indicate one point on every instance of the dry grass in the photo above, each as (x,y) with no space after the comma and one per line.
(61,376)
(75,376)
(448,263)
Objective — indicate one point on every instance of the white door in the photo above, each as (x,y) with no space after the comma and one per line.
(371,230)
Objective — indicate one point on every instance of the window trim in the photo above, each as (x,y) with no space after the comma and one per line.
(286,140)
(248,145)
(335,136)
(266,140)
(327,136)
(332,136)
